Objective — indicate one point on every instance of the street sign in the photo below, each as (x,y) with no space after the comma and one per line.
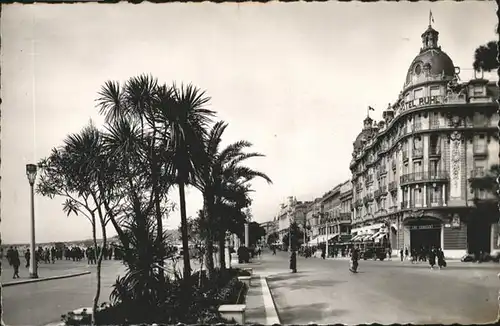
(424,227)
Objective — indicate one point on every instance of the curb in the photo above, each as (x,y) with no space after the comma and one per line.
(36,280)
(272,316)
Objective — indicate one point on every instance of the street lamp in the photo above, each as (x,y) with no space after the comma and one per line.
(31,174)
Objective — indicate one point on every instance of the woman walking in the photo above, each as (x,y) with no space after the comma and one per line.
(440,258)
(432,258)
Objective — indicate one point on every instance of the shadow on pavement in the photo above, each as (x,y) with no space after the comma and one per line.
(287,276)
(310,313)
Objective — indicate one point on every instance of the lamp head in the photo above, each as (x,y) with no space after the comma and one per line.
(31,173)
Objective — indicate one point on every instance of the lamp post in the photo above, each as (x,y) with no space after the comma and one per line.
(31,174)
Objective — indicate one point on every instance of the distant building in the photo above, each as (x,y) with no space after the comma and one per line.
(411,171)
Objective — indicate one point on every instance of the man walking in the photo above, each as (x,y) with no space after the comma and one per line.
(27,256)
(401,254)
(15,262)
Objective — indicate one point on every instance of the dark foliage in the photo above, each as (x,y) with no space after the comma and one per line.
(485,57)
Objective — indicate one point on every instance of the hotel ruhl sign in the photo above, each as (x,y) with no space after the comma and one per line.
(423,101)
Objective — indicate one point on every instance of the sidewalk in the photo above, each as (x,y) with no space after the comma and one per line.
(260,307)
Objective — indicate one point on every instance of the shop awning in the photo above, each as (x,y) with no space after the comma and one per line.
(356,237)
(379,236)
(368,237)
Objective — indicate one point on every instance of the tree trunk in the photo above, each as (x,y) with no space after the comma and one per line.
(184,231)
(158,213)
(222,254)
(98,290)
(209,242)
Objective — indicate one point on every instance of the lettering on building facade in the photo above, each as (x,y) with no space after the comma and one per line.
(424,227)
(423,101)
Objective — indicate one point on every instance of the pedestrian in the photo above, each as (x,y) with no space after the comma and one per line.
(27,256)
(401,253)
(274,249)
(16,262)
(323,252)
(440,258)
(432,258)
(293,262)
(406,253)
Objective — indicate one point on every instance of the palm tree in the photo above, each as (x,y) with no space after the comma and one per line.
(183,121)
(223,185)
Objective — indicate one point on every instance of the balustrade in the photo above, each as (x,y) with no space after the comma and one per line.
(426,176)
(478,172)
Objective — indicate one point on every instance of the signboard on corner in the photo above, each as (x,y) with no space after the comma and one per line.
(447,225)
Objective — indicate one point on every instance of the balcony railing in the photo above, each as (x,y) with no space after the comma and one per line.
(417,152)
(417,126)
(393,186)
(405,155)
(478,173)
(437,202)
(345,218)
(428,176)
(434,151)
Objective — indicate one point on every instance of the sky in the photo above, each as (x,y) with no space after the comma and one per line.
(295,79)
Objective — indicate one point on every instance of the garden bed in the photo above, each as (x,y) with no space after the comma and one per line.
(223,289)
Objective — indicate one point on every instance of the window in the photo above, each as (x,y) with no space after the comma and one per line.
(434,120)
(479,119)
(417,167)
(418,93)
(435,91)
(405,169)
(417,143)
(434,144)
(433,168)
(479,143)
(435,196)
(478,90)
(418,198)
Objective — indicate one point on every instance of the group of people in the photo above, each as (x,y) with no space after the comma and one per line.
(49,255)
(434,255)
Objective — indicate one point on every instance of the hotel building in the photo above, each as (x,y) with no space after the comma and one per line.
(411,172)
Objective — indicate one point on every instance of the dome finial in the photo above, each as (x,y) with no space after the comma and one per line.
(430,36)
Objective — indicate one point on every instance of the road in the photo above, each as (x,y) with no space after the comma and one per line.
(325,292)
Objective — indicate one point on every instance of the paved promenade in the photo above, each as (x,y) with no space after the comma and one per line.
(44,302)
(60,267)
(325,292)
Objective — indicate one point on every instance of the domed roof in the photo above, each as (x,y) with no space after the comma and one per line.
(431,58)
(364,134)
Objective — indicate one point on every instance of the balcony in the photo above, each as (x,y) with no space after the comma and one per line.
(369,179)
(428,176)
(417,153)
(437,202)
(344,218)
(478,173)
(434,152)
(393,186)
(405,155)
